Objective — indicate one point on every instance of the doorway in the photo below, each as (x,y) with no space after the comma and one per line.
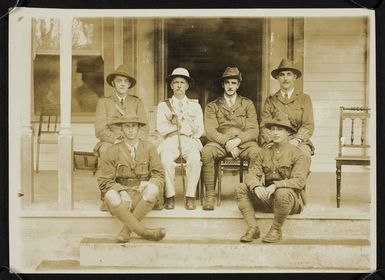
(206,46)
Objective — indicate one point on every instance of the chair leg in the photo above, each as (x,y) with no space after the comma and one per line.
(37,155)
(75,165)
(241,171)
(202,192)
(219,170)
(338,176)
(95,165)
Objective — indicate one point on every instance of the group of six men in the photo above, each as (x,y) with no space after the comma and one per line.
(133,172)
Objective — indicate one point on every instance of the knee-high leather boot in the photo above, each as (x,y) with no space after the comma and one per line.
(132,224)
(283,204)
(208,180)
(139,212)
(246,208)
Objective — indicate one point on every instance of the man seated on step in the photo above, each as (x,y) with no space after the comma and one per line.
(130,179)
(231,127)
(275,183)
(186,113)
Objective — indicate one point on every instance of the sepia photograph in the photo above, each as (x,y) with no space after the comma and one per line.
(192,140)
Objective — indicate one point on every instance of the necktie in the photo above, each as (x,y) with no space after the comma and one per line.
(132,151)
(121,101)
(286,96)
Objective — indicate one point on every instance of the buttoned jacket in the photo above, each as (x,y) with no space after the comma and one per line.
(298,108)
(285,166)
(120,171)
(222,123)
(110,107)
(190,118)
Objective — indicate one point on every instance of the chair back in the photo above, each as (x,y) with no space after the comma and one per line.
(151,118)
(48,122)
(353,129)
(153,135)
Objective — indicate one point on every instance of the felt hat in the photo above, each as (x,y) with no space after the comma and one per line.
(119,120)
(286,65)
(122,70)
(283,123)
(231,73)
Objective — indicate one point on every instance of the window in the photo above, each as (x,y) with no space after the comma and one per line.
(87,65)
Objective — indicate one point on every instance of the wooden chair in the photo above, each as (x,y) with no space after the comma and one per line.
(355,120)
(48,125)
(228,163)
(85,161)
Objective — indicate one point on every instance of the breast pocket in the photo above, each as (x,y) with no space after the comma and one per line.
(141,170)
(240,114)
(191,114)
(285,170)
(240,118)
(123,171)
(266,168)
(296,115)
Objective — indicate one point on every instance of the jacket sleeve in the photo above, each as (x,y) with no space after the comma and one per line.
(157,176)
(299,173)
(266,117)
(211,126)
(198,122)
(254,176)
(107,171)
(102,130)
(163,120)
(251,130)
(307,128)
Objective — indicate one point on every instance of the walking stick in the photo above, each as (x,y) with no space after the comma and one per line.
(168,103)
(180,155)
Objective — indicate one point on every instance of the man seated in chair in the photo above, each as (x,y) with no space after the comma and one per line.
(188,113)
(292,104)
(130,178)
(284,168)
(118,103)
(231,128)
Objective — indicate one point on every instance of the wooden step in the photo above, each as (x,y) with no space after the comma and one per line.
(227,254)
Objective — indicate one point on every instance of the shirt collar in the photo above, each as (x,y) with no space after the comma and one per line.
(289,93)
(132,146)
(232,98)
(176,100)
(120,98)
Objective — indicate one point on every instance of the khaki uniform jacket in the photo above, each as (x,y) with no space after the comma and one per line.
(117,165)
(109,107)
(223,123)
(285,166)
(298,108)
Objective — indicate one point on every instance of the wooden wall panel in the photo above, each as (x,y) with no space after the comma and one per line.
(335,74)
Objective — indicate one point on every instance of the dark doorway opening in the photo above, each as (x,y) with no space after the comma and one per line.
(206,46)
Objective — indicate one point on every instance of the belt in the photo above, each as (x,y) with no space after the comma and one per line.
(128,182)
(175,133)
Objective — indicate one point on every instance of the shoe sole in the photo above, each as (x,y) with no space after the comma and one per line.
(118,240)
(246,241)
(271,241)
